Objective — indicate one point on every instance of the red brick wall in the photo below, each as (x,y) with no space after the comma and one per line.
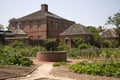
(56,26)
(43,29)
(52,56)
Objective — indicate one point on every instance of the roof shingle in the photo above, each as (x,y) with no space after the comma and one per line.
(108,33)
(76,29)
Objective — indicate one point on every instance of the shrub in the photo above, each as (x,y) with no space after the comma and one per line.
(50,44)
(77,41)
(25,61)
(63,47)
(110,44)
(17,44)
(34,50)
(84,46)
(97,68)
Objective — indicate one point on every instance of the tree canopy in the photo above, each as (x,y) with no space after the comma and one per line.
(115,20)
(96,40)
(1,27)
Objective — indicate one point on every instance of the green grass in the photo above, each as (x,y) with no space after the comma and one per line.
(59,64)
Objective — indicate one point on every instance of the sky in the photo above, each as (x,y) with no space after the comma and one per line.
(86,12)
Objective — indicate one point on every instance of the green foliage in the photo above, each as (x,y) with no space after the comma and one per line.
(85,53)
(62,47)
(17,44)
(50,44)
(110,44)
(84,46)
(77,41)
(115,20)
(59,64)
(25,61)
(110,53)
(106,43)
(36,49)
(97,68)
(1,46)
(1,27)
(96,40)
(14,59)
(15,53)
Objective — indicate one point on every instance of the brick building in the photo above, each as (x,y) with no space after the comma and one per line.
(41,24)
(76,31)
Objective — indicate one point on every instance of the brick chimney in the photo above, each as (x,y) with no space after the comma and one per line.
(44,7)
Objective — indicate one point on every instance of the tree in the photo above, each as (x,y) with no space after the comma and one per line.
(1,27)
(115,20)
(96,40)
(10,20)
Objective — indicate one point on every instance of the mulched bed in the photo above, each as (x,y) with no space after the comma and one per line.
(12,71)
(64,71)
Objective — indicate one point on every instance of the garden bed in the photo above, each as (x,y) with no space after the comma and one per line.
(64,71)
(12,71)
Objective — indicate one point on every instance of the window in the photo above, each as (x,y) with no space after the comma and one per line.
(39,37)
(66,40)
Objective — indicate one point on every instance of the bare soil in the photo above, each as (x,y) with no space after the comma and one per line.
(10,71)
(64,71)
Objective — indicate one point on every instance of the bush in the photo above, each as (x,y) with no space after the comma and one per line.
(97,68)
(84,46)
(25,61)
(50,44)
(17,44)
(62,47)
(110,44)
(77,41)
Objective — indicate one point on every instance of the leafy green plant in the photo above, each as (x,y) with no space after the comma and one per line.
(97,68)
(62,47)
(25,61)
(17,44)
(84,53)
(50,44)
(77,41)
(84,46)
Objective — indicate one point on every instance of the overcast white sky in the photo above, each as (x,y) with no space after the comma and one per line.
(86,12)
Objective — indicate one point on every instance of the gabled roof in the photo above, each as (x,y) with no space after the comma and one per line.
(41,14)
(76,29)
(109,33)
(19,31)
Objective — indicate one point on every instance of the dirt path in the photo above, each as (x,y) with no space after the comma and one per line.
(43,71)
